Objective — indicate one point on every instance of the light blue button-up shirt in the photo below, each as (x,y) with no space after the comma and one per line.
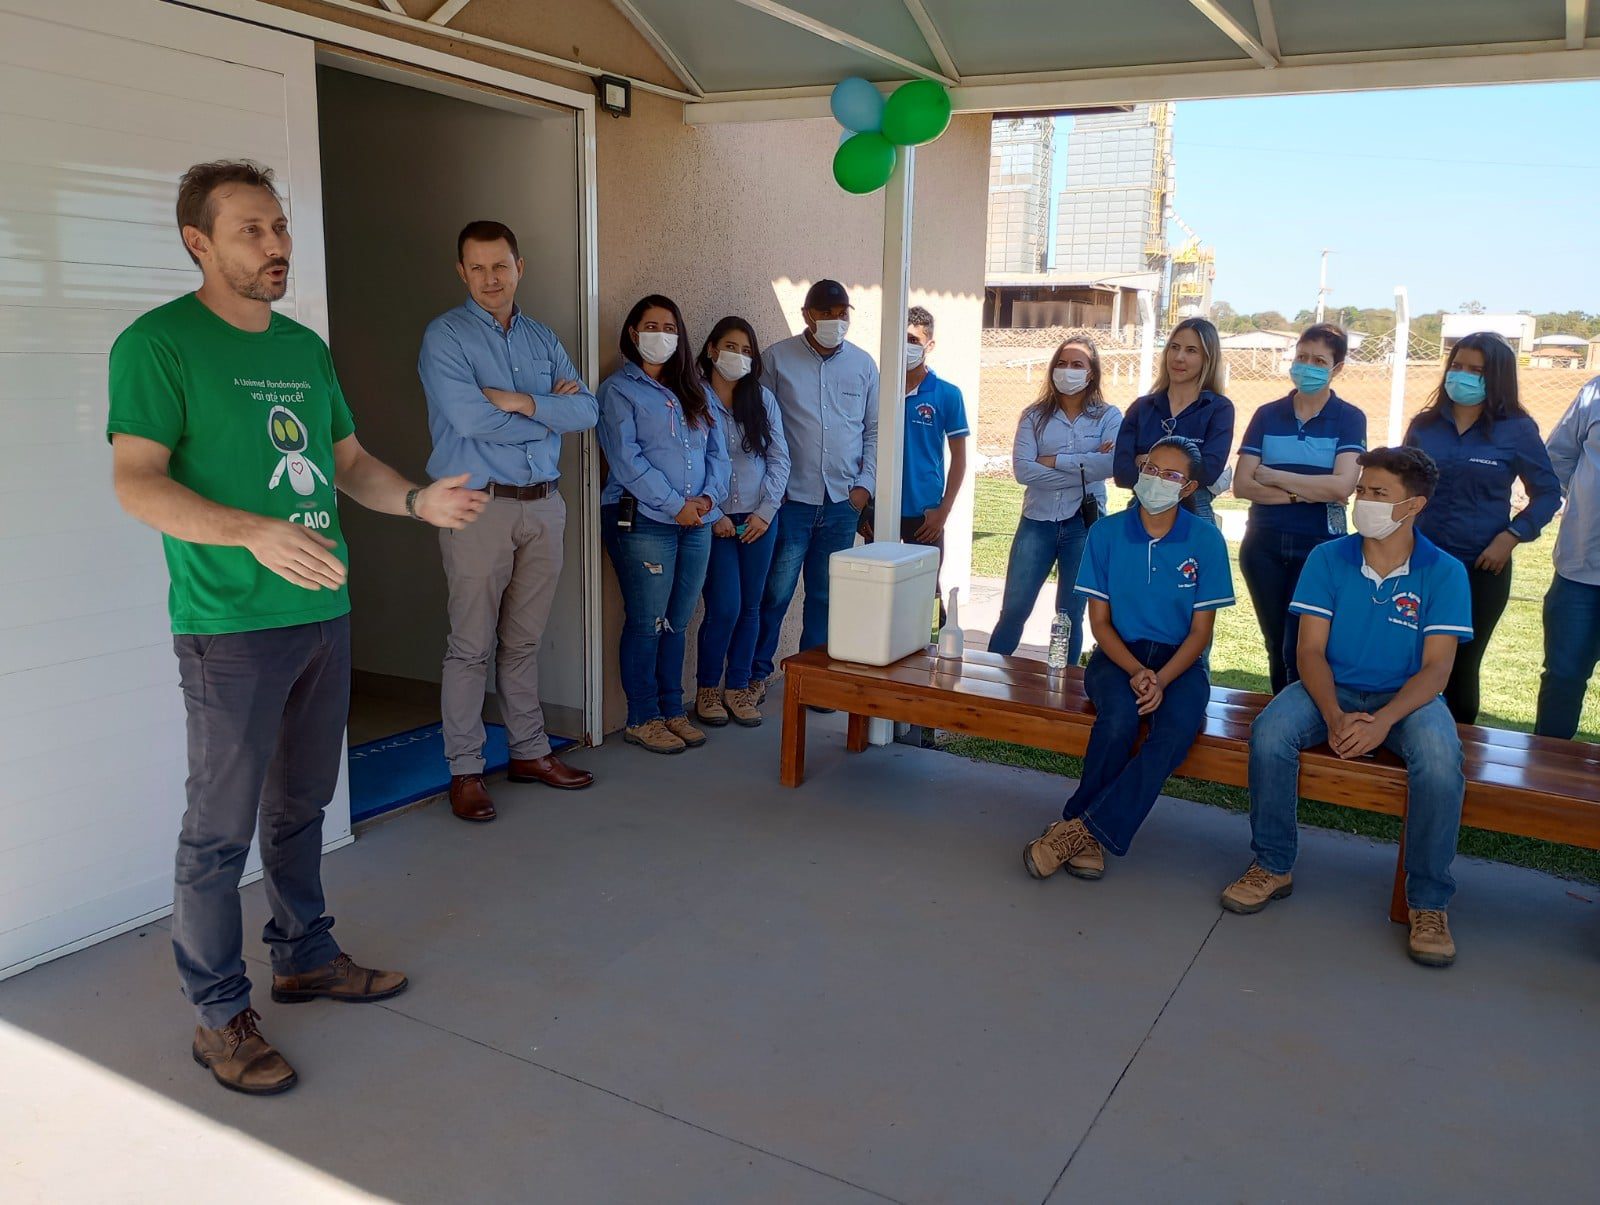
(652,452)
(465,351)
(830,418)
(1056,494)
(1575,456)
(757,482)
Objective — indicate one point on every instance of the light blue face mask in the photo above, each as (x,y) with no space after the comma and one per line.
(1309,378)
(1464,388)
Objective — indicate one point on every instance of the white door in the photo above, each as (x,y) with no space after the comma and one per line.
(102,107)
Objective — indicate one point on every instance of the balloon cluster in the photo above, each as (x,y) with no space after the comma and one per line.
(914,114)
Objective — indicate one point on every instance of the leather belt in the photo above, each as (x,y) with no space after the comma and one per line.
(522,493)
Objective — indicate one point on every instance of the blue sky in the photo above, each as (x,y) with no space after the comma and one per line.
(1486,194)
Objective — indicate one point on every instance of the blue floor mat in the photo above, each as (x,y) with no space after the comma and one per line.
(397,770)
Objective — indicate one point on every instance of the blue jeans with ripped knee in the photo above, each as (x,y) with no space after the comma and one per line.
(661,568)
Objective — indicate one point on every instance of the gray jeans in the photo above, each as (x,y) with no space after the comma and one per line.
(502,571)
(267,714)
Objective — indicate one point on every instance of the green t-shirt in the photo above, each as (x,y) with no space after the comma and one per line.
(251,419)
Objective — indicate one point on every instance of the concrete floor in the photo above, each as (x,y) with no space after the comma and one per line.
(690,985)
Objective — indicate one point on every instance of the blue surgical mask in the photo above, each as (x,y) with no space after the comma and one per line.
(1464,388)
(1157,495)
(1309,378)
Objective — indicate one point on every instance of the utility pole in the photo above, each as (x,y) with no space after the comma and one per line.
(1322,286)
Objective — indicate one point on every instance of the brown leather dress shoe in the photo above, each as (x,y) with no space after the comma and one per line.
(469,798)
(340,979)
(240,1059)
(551,771)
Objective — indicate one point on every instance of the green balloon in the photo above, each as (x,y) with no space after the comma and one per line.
(864,163)
(916,113)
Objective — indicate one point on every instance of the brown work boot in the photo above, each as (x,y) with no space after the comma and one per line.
(758,690)
(1066,843)
(550,770)
(744,706)
(1431,943)
(469,798)
(686,732)
(240,1059)
(708,708)
(655,737)
(1255,889)
(340,979)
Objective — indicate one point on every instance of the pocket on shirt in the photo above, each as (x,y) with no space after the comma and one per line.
(541,378)
(853,403)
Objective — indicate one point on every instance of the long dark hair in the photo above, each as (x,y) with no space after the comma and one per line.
(748,410)
(1500,398)
(1045,404)
(678,373)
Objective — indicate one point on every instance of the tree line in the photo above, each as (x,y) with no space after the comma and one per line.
(1380,320)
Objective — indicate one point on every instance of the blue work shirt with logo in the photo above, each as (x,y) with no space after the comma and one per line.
(1377,626)
(1155,586)
(652,452)
(1278,438)
(757,482)
(1208,420)
(935,413)
(830,418)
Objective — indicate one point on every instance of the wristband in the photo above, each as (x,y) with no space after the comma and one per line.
(411,501)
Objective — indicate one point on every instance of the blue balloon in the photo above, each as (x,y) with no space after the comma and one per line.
(857,105)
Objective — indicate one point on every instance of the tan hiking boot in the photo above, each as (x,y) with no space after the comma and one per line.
(708,708)
(342,979)
(744,706)
(654,736)
(1255,889)
(1066,843)
(240,1059)
(758,689)
(686,732)
(1431,943)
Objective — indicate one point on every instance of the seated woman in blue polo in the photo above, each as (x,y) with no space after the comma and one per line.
(1382,613)
(1155,576)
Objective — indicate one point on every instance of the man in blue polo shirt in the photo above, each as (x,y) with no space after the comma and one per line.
(1155,576)
(1381,615)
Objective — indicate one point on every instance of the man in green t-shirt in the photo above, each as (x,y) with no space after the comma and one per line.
(229,435)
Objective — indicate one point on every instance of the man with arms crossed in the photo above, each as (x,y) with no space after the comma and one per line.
(501,393)
(229,436)
(1381,614)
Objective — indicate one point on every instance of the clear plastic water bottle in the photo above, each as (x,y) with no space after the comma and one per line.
(1060,638)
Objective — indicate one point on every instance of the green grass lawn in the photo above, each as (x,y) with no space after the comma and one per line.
(1510,685)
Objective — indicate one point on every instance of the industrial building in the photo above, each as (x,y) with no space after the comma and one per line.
(1021,155)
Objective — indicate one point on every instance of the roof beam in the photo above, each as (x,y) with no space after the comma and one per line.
(839,38)
(447,11)
(1237,34)
(932,36)
(1268,24)
(1577,23)
(393,6)
(659,44)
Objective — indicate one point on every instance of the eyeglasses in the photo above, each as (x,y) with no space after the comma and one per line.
(1171,475)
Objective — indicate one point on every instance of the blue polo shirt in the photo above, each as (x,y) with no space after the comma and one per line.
(935,412)
(1378,627)
(1155,586)
(1281,441)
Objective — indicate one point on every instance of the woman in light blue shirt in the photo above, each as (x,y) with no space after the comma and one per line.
(1062,454)
(668,470)
(743,530)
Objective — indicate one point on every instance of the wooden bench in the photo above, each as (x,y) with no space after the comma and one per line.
(1530,786)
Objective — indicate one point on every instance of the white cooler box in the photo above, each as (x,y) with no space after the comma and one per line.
(881,600)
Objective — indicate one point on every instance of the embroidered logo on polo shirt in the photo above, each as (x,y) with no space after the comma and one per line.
(924,413)
(1190,572)
(1407,607)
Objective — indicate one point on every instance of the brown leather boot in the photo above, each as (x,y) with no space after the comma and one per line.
(340,979)
(469,798)
(240,1059)
(550,770)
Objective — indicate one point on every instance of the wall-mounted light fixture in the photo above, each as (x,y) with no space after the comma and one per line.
(616,94)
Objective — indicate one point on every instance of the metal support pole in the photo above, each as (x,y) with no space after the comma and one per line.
(1398,362)
(1147,340)
(1322,286)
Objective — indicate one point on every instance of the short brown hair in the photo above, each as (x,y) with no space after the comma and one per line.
(200,183)
(1330,335)
(485,232)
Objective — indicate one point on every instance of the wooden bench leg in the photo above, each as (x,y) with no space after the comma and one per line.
(792,755)
(1399,912)
(855,738)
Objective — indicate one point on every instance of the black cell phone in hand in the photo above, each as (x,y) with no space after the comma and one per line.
(627,509)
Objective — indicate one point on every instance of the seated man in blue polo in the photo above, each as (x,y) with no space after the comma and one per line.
(1155,576)
(1381,615)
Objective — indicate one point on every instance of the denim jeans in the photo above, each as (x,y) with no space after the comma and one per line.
(266,719)
(807,536)
(1490,594)
(1571,649)
(1119,785)
(1270,562)
(735,579)
(1041,545)
(660,568)
(1426,741)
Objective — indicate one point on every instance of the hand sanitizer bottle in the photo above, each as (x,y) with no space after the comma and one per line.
(952,640)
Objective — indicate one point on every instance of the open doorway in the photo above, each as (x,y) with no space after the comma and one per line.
(408,160)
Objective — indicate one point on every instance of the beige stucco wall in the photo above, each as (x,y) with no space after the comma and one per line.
(739,218)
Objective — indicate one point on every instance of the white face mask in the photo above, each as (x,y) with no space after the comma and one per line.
(1376,520)
(1157,495)
(914,354)
(830,332)
(731,366)
(1070,380)
(657,346)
